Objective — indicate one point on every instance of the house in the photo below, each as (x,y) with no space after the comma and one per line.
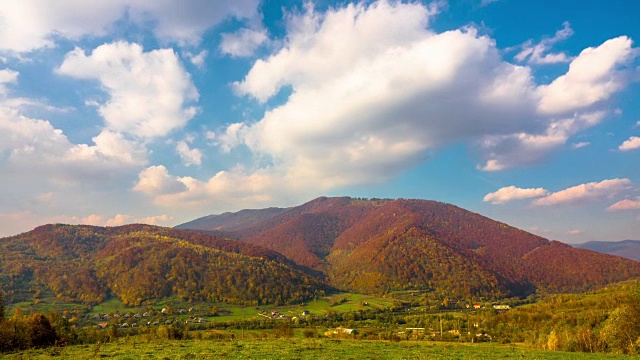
(305,312)
(501,307)
(147,314)
(137,316)
(477,305)
(124,325)
(102,325)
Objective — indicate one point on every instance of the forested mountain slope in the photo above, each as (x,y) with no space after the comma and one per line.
(383,245)
(136,263)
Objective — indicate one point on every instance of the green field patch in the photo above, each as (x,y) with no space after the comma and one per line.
(138,348)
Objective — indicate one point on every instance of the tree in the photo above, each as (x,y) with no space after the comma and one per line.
(622,329)
(1,308)
(42,333)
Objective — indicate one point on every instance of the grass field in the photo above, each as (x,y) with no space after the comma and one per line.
(137,348)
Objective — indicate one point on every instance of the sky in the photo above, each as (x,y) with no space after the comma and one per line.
(160,112)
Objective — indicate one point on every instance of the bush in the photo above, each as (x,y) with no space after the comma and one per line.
(309,333)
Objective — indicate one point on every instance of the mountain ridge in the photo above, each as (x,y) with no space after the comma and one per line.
(383,245)
(629,249)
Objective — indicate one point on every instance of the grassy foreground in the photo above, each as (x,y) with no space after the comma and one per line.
(294,348)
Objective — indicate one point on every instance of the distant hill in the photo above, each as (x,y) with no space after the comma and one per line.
(138,263)
(629,249)
(378,246)
(231,221)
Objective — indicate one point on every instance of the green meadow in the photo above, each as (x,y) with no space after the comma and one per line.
(134,348)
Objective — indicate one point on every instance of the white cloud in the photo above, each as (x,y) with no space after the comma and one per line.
(243,42)
(122,219)
(511,193)
(34,150)
(575,232)
(17,222)
(487,2)
(7,76)
(230,190)
(625,204)
(538,53)
(373,90)
(33,24)
(586,192)
(149,91)
(188,155)
(198,59)
(580,144)
(521,149)
(156,180)
(111,146)
(630,144)
(592,77)
(185,21)
(396,91)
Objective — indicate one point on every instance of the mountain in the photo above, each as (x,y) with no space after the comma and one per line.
(376,246)
(231,221)
(629,249)
(138,263)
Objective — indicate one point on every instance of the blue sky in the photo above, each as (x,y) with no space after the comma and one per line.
(114,111)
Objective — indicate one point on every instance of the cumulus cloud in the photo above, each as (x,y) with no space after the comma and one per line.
(521,149)
(586,192)
(156,180)
(7,76)
(234,189)
(33,24)
(511,193)
(340,125)
(630,144)
(538,53)
(371,90)
(592,77)
(625,204)
(198,59)
(185,21)
(149,91)
(112,146)
(243,42)
(39,156)
(188,155)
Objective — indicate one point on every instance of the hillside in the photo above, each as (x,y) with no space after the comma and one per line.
(376,246)
(137,263)
(231,221)
(629,249)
